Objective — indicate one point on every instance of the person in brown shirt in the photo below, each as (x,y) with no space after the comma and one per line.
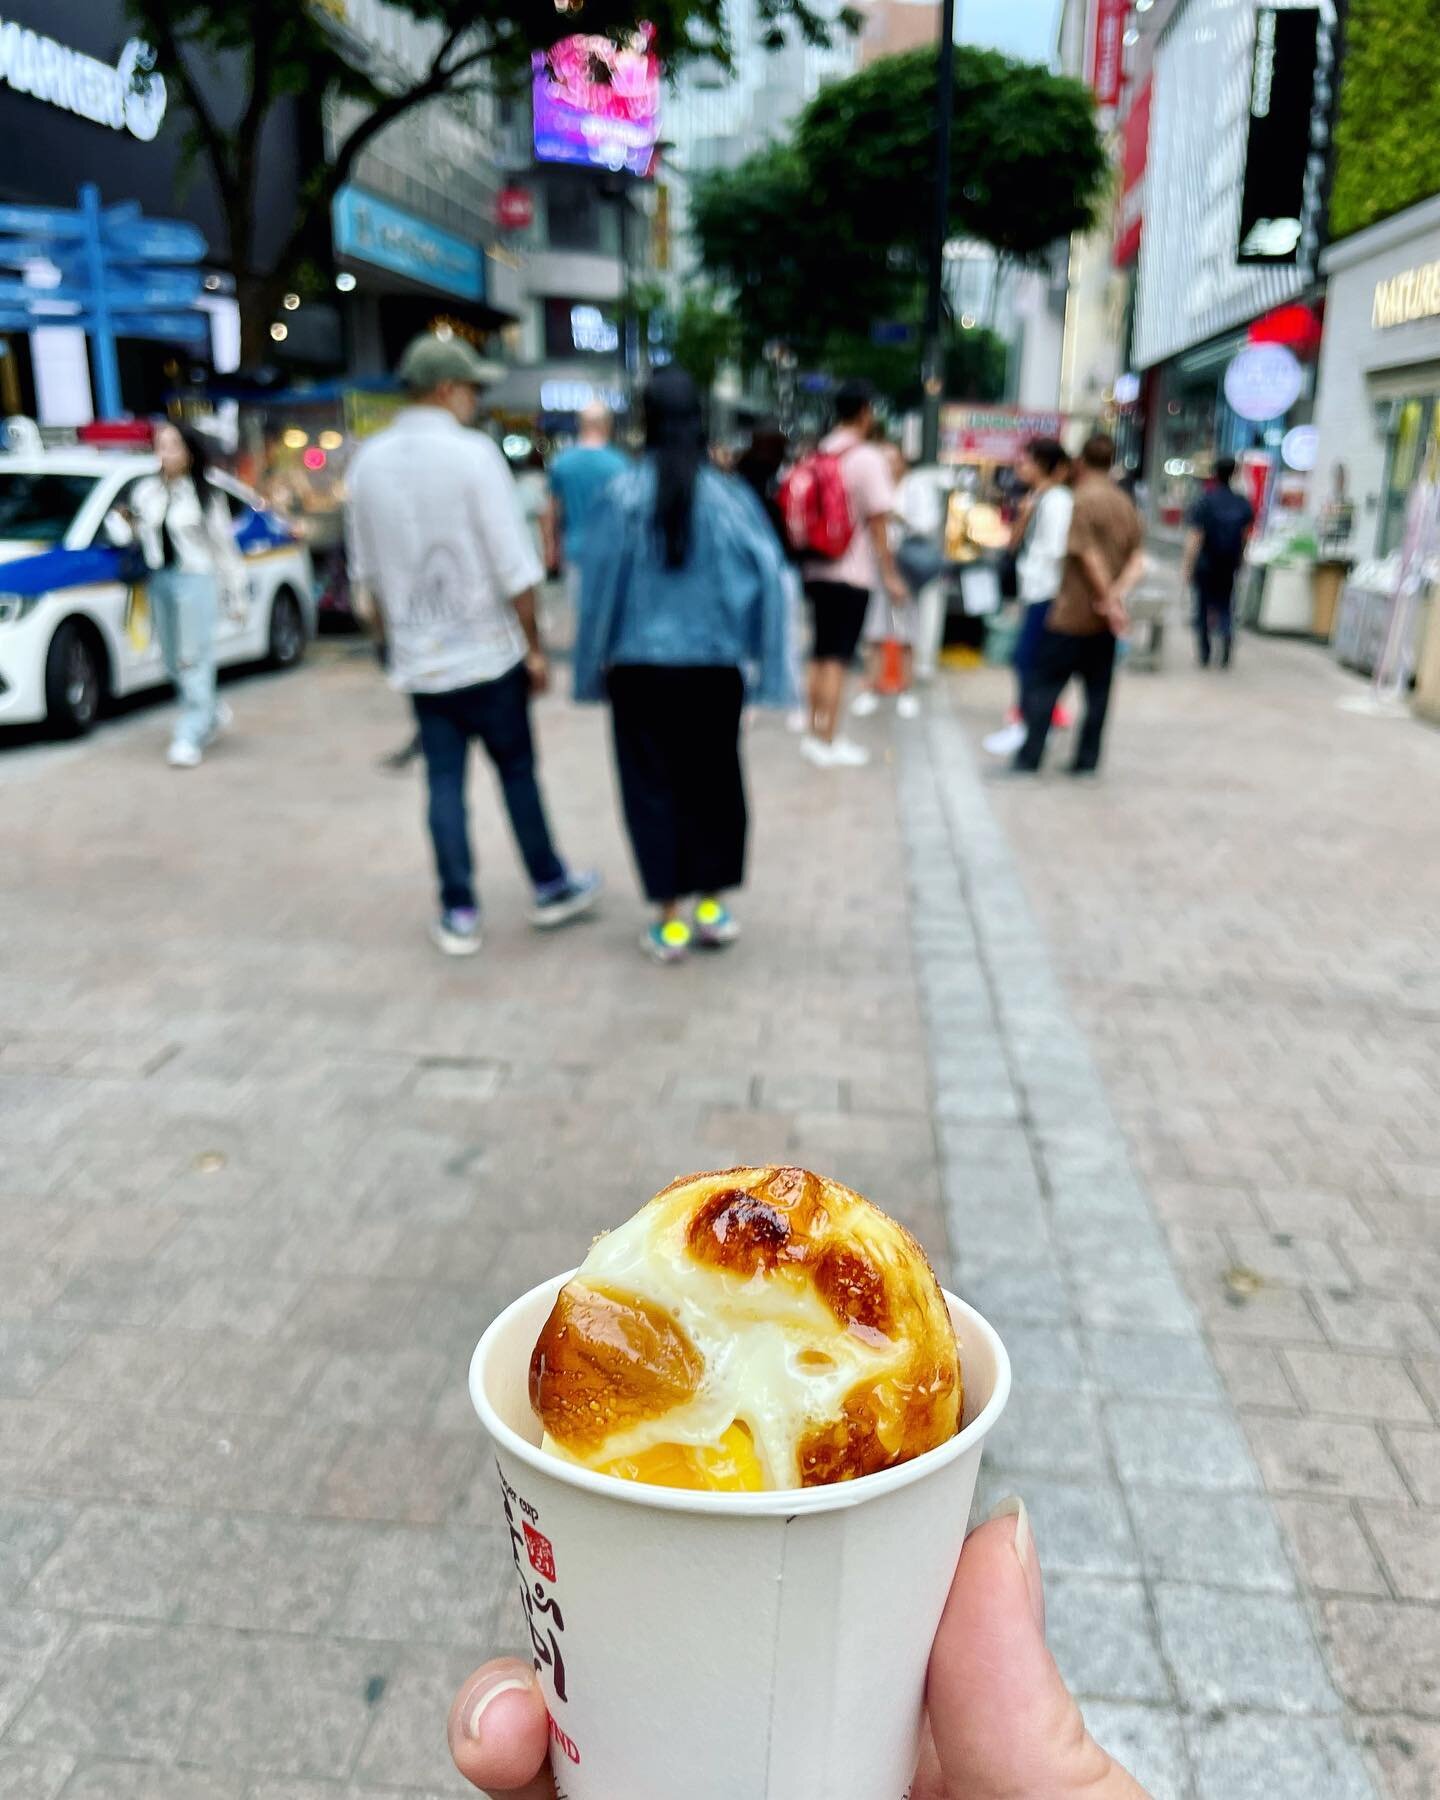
(1103,561)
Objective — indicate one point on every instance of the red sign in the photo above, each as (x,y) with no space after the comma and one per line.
(1134,153)
(538,1548)
(515,208)
(1106,62)
(992,433)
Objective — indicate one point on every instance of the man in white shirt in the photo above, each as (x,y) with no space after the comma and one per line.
(437,537)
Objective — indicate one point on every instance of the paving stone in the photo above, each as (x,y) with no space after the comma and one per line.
(1319,1456)
(404,1744)
(151,1781)
(110,1293)
(1224,1540)
(1257,1756)
(1194,1447)
(372,1388)
(404,1474)
(31,1351)
(29,1639)
(1252,1650)
(29,1531)
(1103,1637)
(1273,1314)
(1365,1387)
(1409,1756)
(230,1376)
(1254,1375)
(33,1774)
(1426,1370)
(1385,1655)
(428,1587)
(1408,1540)
(1148,1740)
(253,1305)
(119,1690)
(1041,1356)
(1372,1322)
(1050,1434)
(1152,1364)
(1332,1550)
(1418,1454)
(1028,1291)
(125,1366)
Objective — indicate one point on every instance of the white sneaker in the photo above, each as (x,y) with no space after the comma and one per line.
(816,750)
(907,706)
(1007,740)
(847,755)
(181,755)
(456,932)
(867,701)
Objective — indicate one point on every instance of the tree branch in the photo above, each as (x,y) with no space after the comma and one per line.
(207,128)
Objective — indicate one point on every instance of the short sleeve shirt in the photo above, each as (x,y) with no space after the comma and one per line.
(865,470)
(1222,517)
(1103,521)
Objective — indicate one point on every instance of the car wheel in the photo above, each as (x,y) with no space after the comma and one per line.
(74,679)
(287,630)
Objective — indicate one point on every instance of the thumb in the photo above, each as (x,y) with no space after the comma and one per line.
(1001,1718)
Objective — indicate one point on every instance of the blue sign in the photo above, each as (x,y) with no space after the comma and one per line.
(372,230)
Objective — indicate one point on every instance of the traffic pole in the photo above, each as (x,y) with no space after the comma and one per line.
(107,364)
(932,368)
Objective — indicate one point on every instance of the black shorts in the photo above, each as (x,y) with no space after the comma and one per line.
(839,614)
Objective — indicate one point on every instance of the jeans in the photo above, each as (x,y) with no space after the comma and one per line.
(1059,656)
(1027,643)
(1214,602)
(498,713)
(184,610)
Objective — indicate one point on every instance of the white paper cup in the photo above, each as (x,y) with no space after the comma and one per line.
(697,1646)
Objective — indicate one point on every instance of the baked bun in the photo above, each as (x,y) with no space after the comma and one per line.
(748,1329)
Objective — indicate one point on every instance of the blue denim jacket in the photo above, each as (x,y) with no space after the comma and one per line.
(725,607)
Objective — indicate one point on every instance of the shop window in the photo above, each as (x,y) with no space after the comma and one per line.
(1413,443)
(573,212)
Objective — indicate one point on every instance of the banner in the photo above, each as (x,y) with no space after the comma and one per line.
(1282,98)
(1105,58)
(1134,154)
(992,433)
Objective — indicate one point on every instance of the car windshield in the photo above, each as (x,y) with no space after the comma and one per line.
(37,506)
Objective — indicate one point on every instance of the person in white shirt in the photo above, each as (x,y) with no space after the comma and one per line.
(182,527)
(1042,530)
(438,542)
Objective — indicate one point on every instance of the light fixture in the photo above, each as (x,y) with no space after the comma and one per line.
(345,281)
(331,440)
(295,438)
(279,332)
(967,321)
(1132,36)
(314,459)
(291,302)
(212,283)
(444,332)
(1143,5)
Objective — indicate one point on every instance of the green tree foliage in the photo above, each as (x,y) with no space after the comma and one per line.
(705,335)
(298,50)
(1387,139)
(825,235)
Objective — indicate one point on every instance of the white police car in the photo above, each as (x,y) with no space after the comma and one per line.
(75,624)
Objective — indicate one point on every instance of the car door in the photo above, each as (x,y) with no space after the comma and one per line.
(238,631)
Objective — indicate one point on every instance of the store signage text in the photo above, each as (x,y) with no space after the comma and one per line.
(1282,133)
(1413,294)
(128,97)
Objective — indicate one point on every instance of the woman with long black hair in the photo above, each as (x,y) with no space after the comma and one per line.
(183,526)
(681,598)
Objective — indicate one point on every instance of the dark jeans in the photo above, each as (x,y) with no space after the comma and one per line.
(1028,641)
(1059,656)
(677,753)
(498,713)
(1214,603)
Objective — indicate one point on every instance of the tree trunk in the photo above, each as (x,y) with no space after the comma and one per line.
(259,298)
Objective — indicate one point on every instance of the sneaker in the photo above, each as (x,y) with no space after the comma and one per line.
(847,755)
(907,706)
(457,931)
(816,750)
(667,943)
(867,701)
(1007,740)
(182,755)
(567,900)
(1063,717)
(715,925)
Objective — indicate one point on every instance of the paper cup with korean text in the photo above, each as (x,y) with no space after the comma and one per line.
(730,1646)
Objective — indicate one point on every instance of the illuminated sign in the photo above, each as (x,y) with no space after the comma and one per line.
(129,96)
(1404,298)
(598,103)
(1277,149)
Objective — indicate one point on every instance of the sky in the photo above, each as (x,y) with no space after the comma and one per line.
(1023,28)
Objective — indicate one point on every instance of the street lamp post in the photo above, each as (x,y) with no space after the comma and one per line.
(933,364)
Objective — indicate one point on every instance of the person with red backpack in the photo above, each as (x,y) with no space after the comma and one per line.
(837,504)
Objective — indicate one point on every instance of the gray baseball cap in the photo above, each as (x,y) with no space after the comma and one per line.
(429,360)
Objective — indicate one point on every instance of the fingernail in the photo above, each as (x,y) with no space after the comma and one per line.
(1013,1507)
(478,1703)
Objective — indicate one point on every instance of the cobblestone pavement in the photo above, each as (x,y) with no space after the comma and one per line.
(1244,917)
(267,1165)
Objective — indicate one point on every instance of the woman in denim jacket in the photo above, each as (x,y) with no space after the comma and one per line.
(681,600)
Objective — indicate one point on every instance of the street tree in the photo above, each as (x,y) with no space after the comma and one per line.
(705,335)
(263,55)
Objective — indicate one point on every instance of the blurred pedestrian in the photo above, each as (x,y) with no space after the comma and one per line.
(889,621)
(681,596)
(578,477)
(839,588)
(1037,541)
(188,545)
(759,466)
(438,539)
(1104,558)
(1219,522)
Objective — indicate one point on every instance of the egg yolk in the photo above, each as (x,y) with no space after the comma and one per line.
(728,1467)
